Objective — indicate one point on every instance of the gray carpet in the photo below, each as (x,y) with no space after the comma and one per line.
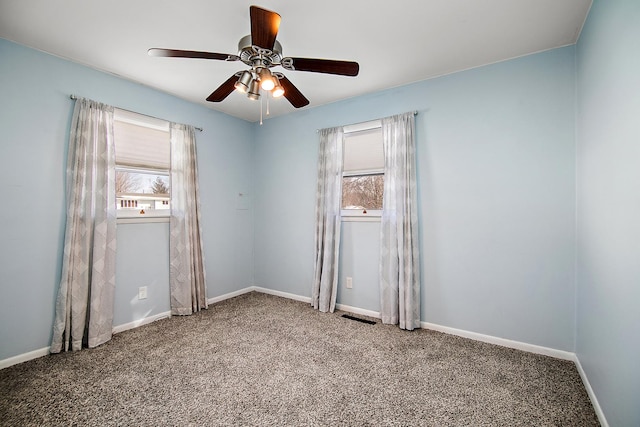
(260,360)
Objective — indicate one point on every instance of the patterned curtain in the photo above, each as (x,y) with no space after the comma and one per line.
(399,264)
(186,273)
(84,307)
(327,237)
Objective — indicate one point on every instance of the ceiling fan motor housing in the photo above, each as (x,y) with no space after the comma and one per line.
(257,56)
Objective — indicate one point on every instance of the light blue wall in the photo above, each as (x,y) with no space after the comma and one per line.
(359,251)
(495,154)
(608,134)
(35,114)
(142,259)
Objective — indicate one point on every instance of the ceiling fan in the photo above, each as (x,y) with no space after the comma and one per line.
(261,52)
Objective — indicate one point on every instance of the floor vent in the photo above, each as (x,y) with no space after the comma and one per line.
(368,322)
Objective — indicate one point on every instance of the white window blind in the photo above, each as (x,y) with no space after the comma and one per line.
(141,141)
(362,151)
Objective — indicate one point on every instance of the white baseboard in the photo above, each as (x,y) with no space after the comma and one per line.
(518,345)
(230,295)
(360,311)
(140,322)
(261,290)
(24,357)
(592,395)
(282,294)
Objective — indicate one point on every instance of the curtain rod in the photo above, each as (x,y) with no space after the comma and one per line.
(72,96)
(415,113)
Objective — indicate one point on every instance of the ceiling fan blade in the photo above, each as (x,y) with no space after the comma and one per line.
(175,53)
(293,95)
(264,27)
(223,90)
(328,66)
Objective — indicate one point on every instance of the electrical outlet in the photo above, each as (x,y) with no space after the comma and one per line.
(349,282)
(142,292)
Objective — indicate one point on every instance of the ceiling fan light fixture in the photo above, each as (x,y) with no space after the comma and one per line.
(278,90)
(243,83)
(266,79)
(254,90)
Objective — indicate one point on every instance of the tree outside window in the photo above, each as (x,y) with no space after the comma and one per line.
(362,192)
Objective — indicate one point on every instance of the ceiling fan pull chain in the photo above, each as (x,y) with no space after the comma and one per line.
(268,102)
(260,111)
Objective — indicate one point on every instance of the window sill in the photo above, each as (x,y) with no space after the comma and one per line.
(360,218)
(142,220)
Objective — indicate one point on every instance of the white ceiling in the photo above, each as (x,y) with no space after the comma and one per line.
(395,42)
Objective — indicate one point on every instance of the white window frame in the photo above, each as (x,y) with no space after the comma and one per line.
(150,215)
(357,215)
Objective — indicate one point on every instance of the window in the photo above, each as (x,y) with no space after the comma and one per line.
(142,165)
(362,171)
